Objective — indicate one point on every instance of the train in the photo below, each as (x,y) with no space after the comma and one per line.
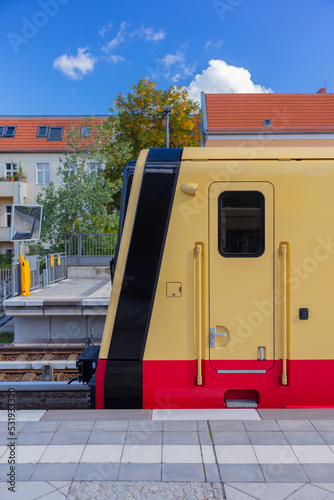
(223,282)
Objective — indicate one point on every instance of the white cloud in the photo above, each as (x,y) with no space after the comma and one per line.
(76,67)
(215,45)
(106,29)
(221,77)
(176,67)
(150,35)
(115,59)
(171,59)
(120,37)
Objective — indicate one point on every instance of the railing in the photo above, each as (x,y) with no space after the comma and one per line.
(90,249)
(4,274)
(6,290)
(55,268)
(43,272)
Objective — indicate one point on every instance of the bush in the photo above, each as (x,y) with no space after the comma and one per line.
(6,260)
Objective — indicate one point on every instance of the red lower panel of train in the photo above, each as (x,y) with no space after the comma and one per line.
(172,384)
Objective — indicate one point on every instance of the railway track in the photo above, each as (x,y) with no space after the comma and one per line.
(40,377)
(28,364)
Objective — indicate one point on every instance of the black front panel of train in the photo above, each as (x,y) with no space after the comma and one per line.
(123,378)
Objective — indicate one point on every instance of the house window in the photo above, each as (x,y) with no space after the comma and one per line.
(7,215)
(55,133)
(241,223)
(85,131)
(7,131)
(10,169)
(43,173)
(42,131)
(267,122)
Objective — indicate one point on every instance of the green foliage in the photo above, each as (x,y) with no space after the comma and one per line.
(82,203)
(139,124)
(6,337)
(6,261)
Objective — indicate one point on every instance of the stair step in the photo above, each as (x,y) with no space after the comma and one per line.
(241,403)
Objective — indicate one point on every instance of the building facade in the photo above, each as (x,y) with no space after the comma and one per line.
(261,120)
(30,149)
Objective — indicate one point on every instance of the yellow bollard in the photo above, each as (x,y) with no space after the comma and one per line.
(25,276)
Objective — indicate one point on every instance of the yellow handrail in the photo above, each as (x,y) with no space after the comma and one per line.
(283,253)
(198,310)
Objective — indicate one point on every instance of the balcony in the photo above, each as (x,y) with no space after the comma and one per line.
(10,189)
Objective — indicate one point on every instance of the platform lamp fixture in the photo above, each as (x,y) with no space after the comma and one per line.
(167,115)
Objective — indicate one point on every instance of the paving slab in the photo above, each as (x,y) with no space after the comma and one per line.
(56,472)
(23,415)
(270,437)
(207,414)
(97,472)
(304,438)
(139,472)
(260,491)
(241,473)
(284,473)
(320,472)
(296,413)
(311,492)
(182,472)
(96,415)
(219,437)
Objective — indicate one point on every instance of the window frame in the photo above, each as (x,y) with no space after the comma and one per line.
(87,127)
(38,132)
(6,213)
(55,139)
(5,169)
(36,173)
(4,132)
(262,225)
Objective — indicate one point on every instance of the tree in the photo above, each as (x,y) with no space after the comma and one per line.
(82,203)
(137,122)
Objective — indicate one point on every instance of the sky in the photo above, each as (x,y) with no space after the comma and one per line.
(73,57)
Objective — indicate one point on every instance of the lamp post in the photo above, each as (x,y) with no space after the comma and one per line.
(167,114)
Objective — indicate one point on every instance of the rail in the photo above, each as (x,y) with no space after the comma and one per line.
(90,249)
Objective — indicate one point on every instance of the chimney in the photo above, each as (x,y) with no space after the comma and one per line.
(322,91)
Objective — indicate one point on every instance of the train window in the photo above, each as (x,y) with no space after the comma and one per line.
(241,223)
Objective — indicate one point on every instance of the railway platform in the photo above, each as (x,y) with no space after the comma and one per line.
(233,454)
(63,312)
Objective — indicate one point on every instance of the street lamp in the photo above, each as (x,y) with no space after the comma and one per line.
(167,114)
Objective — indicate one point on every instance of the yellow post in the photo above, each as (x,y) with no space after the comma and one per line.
(25,276)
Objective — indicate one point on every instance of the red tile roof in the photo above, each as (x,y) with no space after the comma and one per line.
(287,112)
(25,139)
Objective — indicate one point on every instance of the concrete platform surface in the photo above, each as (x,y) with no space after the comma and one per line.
(79,454)
(64,312)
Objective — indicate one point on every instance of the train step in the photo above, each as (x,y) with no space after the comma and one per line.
(241,403)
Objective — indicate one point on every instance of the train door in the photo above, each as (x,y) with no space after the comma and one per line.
(241,281)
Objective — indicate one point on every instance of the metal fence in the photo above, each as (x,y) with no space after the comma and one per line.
(43,271)
(90,249)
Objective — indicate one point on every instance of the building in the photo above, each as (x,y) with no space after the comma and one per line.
(261,120)
(31,145)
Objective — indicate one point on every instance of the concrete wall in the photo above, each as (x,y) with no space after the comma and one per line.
(76,272)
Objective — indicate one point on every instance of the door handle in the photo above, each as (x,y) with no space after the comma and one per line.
(213,336)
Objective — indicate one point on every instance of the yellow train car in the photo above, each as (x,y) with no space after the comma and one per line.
(224,282)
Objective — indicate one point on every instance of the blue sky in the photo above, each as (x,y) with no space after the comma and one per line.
(75,56)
